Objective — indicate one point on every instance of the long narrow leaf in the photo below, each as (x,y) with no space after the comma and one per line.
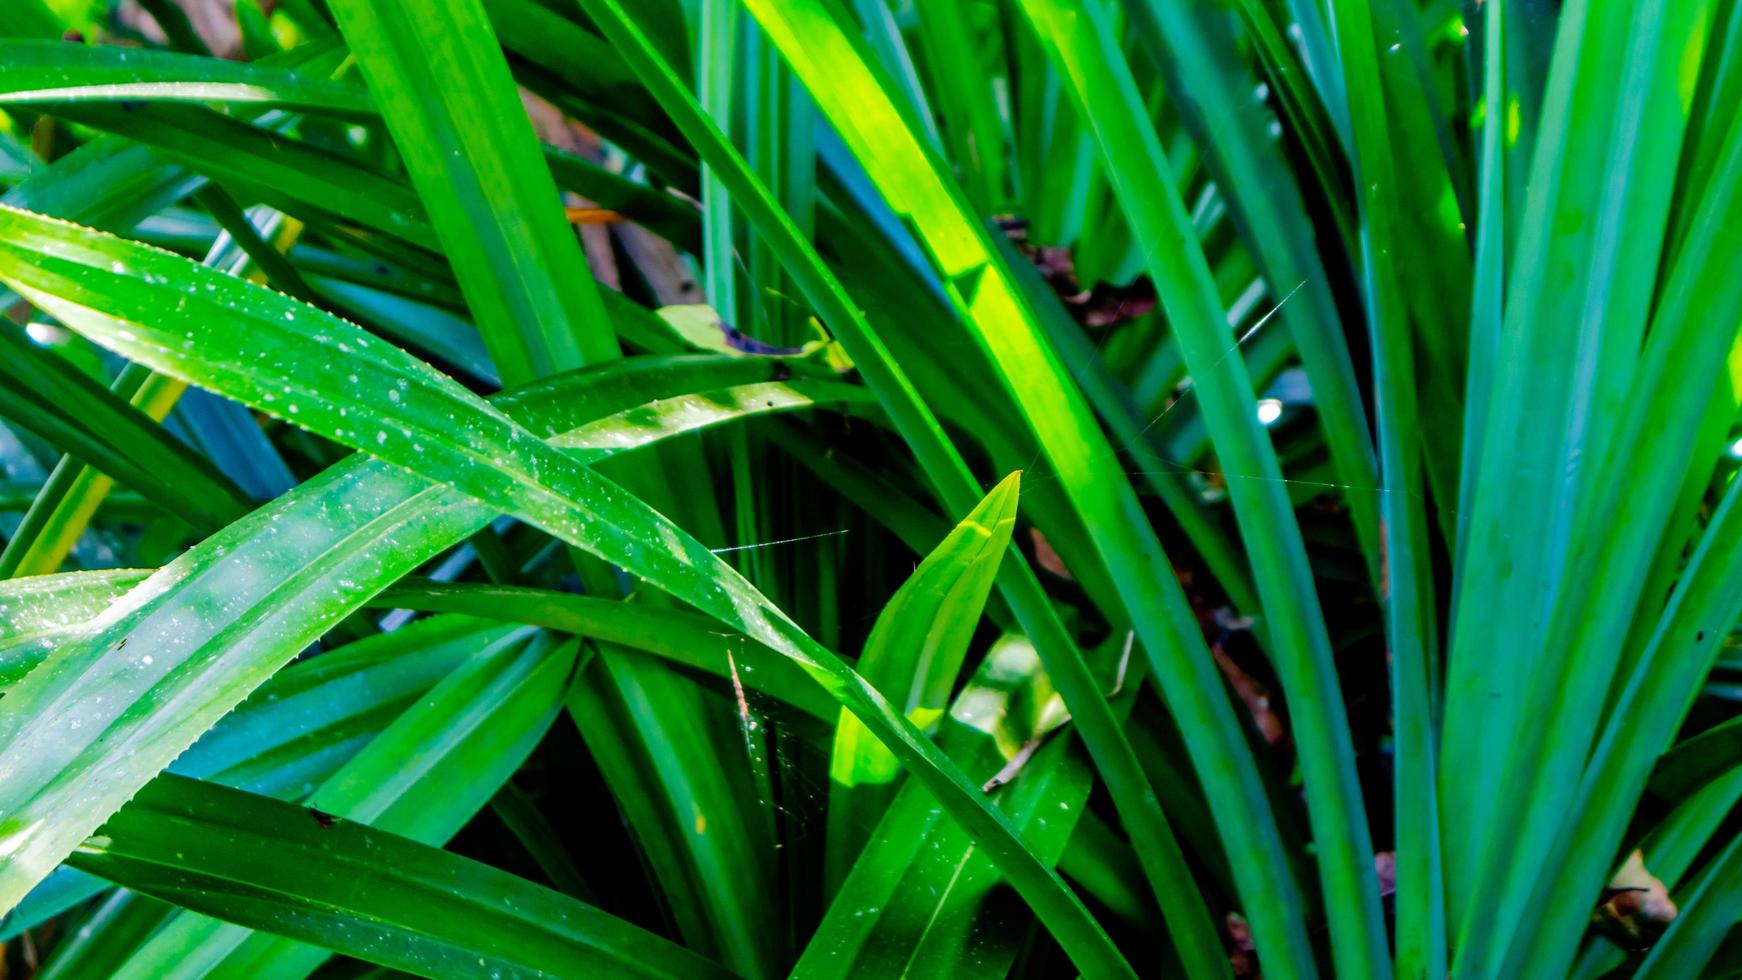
(246,337)
(53,71)
(366,893)
(435,68)
(1084,48)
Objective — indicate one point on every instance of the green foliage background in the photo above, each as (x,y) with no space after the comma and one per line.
(877,488)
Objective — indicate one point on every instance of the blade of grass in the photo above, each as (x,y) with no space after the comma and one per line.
(73,492)
(104,181)
(41,612)
(673,635)
(292,175)
(915,896)
(1679,655)
(281,741)
(68,501)
(31,18)
(716,873)
(1488,299)
(956,63)
(1697,761)
(238,224)
(291,735)
(1651,449)
(1429,252)
(1139,440)
(1407,588)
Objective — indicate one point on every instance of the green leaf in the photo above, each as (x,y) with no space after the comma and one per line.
(422,778)
(1651,705)
(1087,55)
(69,499)
(106,183)
(104,431)
(31,18)
(436,71)
(942,464)
(965,97)
(1585,273)
(184,647)
(362,892)
(292,175)
(1198,52)
(313,716)
(670,634)
(41,612)
(283,740)
(1654,450)
(54,71)
(1698,761)
(705,840)
(913,655)
(1407,583)
(919,898)
(288,737)
(251,346)
(363,523)
(849,93)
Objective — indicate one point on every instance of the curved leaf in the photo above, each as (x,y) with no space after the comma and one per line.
(54,71)
(348,533)
(913,655)
(422,778)
(373,895)
(289,736)
(674,635)
(248,344)
(39,612)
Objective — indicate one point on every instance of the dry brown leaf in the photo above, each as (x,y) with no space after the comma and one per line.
(1047,558)
(1385,865)
(1242,956)
(1635,907)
